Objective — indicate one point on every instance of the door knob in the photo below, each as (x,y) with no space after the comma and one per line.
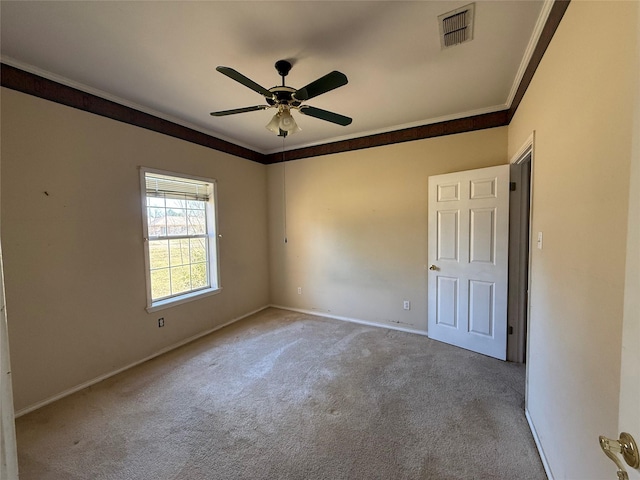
(626,446)
(433,267)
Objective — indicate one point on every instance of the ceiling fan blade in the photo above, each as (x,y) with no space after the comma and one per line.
(322,85)
(326,115)
(247,82)
(239,110)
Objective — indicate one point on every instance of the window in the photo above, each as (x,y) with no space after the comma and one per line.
(180,237)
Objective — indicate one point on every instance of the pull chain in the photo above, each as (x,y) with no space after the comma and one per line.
(284,193)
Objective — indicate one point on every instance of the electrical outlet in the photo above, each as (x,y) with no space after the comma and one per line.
(299,290)
(161,322)
(406,305)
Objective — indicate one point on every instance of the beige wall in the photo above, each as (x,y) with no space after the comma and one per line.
(74,266)
(579,106)
(357,226)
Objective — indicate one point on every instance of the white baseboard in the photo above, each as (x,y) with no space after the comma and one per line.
(543,457)
(352,320)
(93,381)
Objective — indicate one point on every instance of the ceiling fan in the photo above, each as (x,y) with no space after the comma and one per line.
(285,99)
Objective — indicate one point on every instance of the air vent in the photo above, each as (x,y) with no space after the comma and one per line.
(456,27)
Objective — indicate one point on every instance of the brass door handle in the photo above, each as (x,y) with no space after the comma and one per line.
(626,446)
(433,267)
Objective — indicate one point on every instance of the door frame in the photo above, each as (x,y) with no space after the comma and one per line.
(8,448)
(519,253)
(526,153)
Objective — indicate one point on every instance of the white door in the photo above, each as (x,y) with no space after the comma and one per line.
(8,449)
(468,259)
(629,403)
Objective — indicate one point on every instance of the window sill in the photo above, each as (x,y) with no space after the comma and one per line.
(188,297)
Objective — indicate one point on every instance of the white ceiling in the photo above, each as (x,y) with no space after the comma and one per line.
(160,57)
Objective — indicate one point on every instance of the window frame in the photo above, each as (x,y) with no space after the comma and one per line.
(211,212)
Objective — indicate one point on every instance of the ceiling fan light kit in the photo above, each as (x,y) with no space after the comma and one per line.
(287,123)
(285,98)
(283,123)
(274,124)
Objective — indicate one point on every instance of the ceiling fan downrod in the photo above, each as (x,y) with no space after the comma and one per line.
(283,67)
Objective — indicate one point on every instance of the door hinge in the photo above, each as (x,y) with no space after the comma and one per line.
(512,186)
(510,330)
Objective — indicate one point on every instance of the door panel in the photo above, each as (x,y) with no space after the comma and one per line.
(468,251)
(448,235)
(447,295)
(481,300)
(482,239)
(448,192)
(484,188)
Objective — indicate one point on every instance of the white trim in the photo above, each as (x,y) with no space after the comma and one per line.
(534,433)
(100,378)
(179,300)
(352,320)
(8,447)
(169,173)
(517,221)
(526,147)
(212,236)
(533,43)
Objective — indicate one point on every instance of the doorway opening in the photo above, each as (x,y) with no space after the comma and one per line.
(519,248)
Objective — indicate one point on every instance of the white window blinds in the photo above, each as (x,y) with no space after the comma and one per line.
(158,185)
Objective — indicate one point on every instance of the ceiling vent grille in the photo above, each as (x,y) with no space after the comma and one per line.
(456,27)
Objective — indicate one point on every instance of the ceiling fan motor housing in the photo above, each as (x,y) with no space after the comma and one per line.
(282,96)
(283,67)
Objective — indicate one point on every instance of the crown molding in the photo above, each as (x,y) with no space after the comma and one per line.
(449,127)
(531,46)
(393,128)
(32,84)
(556,13)
(4,59)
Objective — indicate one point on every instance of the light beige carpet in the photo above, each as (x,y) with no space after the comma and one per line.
(282,395)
